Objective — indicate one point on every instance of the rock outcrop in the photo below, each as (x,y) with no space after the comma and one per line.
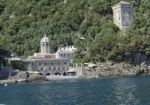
(24,75)
(116,69)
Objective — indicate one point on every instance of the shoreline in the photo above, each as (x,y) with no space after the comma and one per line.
(14,81)
(117,69)
(107,69)
(3,82)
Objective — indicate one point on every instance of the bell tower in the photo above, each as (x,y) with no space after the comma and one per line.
(45,45)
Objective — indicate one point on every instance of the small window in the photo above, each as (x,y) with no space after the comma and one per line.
(41,69)
(65,62)
(51,63)
(49,68)
(39,63)
(63,68)
(54,68)
(123,19)
(129,13)
(58,68)
(45,64)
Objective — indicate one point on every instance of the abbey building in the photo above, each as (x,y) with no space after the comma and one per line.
(45,62)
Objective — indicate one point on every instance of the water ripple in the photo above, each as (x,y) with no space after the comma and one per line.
(103,91)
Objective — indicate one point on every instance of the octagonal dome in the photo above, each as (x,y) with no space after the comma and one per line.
(45,39)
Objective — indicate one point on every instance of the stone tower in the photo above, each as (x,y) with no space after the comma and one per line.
(122,14)
(45,45)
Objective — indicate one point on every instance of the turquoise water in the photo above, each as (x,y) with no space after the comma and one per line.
(103,91)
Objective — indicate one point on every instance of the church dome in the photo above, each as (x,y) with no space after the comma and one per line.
(45,39)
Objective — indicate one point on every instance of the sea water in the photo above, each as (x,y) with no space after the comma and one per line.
(102,91)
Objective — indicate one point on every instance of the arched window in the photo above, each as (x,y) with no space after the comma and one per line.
(64,73)
(48,74)
(57,73)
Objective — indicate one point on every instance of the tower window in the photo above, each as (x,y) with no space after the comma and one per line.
(129,13)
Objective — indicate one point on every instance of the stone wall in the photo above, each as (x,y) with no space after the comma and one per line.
(49,66)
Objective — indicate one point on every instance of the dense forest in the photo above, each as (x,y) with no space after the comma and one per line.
(87,24)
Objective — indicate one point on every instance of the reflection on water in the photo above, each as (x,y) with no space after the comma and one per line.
(124,92)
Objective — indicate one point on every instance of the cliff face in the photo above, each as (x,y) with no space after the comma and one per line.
(139,58)
(3,53)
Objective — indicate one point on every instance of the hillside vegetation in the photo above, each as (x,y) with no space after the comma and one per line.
(88,24)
